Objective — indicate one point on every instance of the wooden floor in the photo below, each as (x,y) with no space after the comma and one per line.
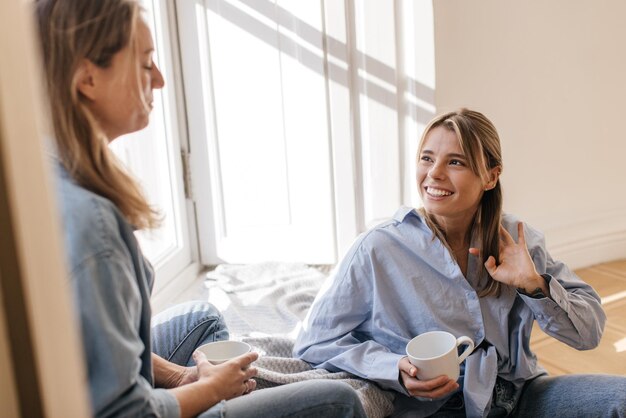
(609,280)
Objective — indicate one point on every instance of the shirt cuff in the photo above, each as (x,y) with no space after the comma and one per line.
(386,373)
(558,293)
(546,306)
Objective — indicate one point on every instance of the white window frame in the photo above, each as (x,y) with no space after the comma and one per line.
(178,265)
(182,263)
(177,274)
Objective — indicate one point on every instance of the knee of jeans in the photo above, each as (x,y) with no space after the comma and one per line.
(340,392)
(208,312)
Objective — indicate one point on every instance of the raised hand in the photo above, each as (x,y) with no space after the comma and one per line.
(516,268)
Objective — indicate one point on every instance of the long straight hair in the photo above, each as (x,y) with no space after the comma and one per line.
(480,143)
(70,32)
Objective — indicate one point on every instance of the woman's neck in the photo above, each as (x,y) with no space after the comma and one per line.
(457,233)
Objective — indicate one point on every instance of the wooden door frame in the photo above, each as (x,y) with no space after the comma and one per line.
(46,376)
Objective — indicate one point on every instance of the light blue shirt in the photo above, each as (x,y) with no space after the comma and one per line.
(396,282)
(111,283)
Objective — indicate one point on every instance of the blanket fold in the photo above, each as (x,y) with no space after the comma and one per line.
(276,367)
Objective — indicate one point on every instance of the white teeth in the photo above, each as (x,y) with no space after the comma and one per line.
(437,192)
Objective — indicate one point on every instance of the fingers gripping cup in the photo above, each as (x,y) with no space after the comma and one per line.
(435,353)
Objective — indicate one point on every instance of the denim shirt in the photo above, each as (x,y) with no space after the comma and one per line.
(397,282)
(111,283)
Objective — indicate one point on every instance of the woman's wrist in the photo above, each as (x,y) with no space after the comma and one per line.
(535,287)
(195,397)
(167,374)
(170,378)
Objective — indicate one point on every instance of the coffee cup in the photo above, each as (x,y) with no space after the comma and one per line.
(435,353)
(220,351)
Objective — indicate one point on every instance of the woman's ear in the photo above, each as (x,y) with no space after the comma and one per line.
(86,79)
(494,176)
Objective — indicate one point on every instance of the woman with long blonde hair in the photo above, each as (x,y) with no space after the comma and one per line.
(459,265)
(100,77)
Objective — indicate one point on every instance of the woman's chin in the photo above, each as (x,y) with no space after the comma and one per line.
(141,122)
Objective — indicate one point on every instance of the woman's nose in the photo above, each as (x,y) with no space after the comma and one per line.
(157,78)
(436,171)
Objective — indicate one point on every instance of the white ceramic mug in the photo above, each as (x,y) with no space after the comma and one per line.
(434,354)
(220,351)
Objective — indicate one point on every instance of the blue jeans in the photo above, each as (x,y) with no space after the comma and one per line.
(571,396)
(178,331)
(581,395)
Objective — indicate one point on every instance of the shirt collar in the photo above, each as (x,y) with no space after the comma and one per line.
(405,211)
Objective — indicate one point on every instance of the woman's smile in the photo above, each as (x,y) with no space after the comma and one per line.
(437,192)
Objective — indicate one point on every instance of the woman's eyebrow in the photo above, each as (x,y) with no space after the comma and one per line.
(451,155)
(455,155)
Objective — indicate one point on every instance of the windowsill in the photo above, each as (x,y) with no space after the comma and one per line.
(172,292)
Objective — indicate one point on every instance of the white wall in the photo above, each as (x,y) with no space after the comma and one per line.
(550,75)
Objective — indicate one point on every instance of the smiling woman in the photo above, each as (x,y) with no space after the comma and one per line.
(459,265)
(458,170)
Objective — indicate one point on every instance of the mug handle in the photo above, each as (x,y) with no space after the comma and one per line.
(468,350)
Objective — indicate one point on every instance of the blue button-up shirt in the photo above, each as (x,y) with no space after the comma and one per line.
(397,282)
(111,284)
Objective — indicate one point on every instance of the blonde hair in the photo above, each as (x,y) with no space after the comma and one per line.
(480,143)
(70,32)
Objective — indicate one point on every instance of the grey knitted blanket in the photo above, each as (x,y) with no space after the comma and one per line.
(264,298)
(264,305)
(277,367)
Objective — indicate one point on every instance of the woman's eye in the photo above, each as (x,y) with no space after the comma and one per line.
(148,65)
(425,158)
(456,162)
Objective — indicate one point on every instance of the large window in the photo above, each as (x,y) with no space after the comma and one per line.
(299,121)
(303,117)
(256,98)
